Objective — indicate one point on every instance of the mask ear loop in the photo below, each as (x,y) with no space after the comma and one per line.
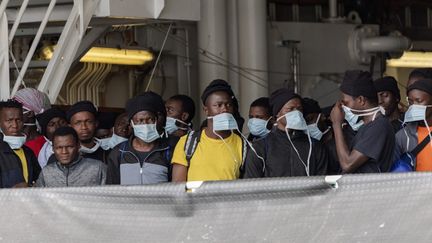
(229,147)
(253,149)
(295,149)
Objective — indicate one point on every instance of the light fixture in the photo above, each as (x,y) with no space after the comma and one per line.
(109,55)
(412,59)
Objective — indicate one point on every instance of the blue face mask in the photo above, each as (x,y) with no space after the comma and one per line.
(258,127)
(171,126)
(146,132)
(314,130)
(224,122)
(416,113)
(294,120)
(104,143)
(15,142)
(353,119)
(115,140)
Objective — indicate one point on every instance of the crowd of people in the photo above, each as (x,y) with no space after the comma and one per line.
(154,141)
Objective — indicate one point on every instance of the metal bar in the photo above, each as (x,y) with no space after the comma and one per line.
(17,21)
(89,39)
(80,5)
(3,6)
(64,54)
(32,64)
(33,47)
(4,59)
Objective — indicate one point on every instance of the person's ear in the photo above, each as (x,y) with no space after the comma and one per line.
(205,109)
(184,116)
(361,100)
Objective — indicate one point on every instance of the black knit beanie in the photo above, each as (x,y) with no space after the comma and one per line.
(214,86)
(359,83)
(279,98)
(387,84)
(147,101)
(45,117)
(79,107)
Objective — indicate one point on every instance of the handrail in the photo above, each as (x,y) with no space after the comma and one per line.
(33,47)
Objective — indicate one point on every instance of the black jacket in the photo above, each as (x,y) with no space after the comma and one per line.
(125,166)
(281,159)
(11,171)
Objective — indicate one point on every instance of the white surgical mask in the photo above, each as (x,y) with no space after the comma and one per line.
(314,130)
(354,119)
(104,143)
(295,121)
(171,127)
(86,150)
(258,127)
(224,122)
(15,142)
(115,140)
(146,132)
(416,113)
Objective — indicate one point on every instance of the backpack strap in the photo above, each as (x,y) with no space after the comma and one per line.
(192,140)
(244,150)
(168,154)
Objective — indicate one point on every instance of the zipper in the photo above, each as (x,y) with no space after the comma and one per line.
(145,159)
(67,176)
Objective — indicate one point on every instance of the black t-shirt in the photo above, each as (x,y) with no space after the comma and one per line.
(375,140)
(333,167)
(397,124)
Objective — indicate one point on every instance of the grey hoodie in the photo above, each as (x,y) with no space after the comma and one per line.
(406,140)
(81,172)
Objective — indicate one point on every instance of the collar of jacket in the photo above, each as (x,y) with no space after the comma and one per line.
(161,145)
(5,148)
(293,133)
(70,165)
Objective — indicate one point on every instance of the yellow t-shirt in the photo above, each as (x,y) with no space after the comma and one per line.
(213,159)
(21,155)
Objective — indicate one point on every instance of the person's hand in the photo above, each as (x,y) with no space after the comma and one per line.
(21,185)
(337,114)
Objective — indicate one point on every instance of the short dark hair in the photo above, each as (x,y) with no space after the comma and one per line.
(423,73)
(66,131)
(188,105)
(263,102)
(10,104)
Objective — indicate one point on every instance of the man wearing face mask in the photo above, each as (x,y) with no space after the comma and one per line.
(180,112)
(288,150)
(49,122)
(315,120)
(121,131)
(371,150)
(389,98)
(260,119)
(418,125)
(145,157)
(104,131)
(82,118)
(19,166)
(215,152)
